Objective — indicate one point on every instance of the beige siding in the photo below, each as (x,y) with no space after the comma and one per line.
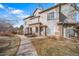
(51,24)
(32,21)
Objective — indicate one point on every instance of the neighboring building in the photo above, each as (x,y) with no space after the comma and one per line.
(57,20)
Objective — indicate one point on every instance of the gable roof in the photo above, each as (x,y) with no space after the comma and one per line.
(28,17)
(46,9)
(36,10)
(53,7)
(33,14)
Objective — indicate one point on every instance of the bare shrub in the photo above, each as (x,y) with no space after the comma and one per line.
(52,37)
(5,34)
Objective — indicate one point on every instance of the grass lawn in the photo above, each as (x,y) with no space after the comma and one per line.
(9,45)
(52,46)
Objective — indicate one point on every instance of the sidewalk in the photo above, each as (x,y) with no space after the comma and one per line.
(26,48)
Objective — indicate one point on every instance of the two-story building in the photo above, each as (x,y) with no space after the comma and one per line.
(57,20)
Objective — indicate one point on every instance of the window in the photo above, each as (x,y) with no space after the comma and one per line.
(41,28)
(30,30)
(36,29)
(77,17)
(50,16)
(27,29)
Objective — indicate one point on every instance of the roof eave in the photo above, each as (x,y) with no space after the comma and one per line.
(52,7)
(28,17)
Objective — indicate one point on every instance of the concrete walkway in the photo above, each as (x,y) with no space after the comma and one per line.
(26,48)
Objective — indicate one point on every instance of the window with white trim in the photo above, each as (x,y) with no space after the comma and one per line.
(50,16)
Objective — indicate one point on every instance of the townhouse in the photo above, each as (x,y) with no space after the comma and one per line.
(57,20)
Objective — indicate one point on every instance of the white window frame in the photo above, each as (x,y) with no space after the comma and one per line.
(51,16)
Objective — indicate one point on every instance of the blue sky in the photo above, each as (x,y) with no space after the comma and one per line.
(28,7)
(15,12)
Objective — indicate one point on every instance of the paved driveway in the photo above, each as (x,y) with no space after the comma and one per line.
(26,48)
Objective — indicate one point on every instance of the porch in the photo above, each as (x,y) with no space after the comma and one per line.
(37,29)
(67,29)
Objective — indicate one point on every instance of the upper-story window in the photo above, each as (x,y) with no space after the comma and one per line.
(50,16)
(77,17)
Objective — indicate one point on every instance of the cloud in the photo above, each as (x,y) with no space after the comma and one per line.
(17,11)
(22,16)
(13,11)
(14,15)
(1,6)
(10,8)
